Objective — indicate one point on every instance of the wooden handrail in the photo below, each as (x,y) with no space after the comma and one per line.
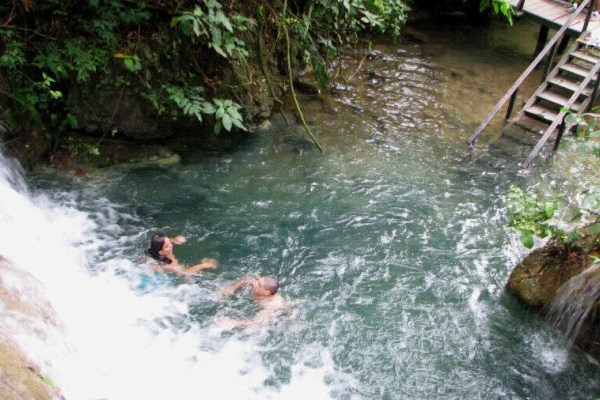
(528,71)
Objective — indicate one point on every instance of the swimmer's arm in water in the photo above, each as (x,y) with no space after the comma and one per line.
(179,239)
(261,319)
(206,263)
(180,270)
(229,290)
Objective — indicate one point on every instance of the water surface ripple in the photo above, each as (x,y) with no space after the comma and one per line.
(391,246)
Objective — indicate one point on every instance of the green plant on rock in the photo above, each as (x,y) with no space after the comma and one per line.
(190,101)
(566,217)
(227,115)
(531,216)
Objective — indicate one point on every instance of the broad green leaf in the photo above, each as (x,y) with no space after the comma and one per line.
(209,108)
(594,229)
(527,241)
(227,122)
(549,208)
(224,21)
(239,124)
(218,49)
(234,113)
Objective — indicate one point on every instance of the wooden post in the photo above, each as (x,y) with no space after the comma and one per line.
(588,16)
(563,44)
(559,135)
(511,105)
(549,61)
(541,42)
(594,94)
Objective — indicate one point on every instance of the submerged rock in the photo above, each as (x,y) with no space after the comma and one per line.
(537,281)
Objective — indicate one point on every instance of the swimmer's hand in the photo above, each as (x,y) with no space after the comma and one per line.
(180,239)
(210,263)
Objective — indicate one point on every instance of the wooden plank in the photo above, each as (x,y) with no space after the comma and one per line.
(540,112)
(539,5)
(587,57)
(569,85)
(531,124)
(557,99)
(575,70)
(554,14)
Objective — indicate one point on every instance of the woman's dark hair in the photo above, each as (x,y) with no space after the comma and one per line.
(156,244)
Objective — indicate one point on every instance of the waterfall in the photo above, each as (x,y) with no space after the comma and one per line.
(575,303)
(89,331)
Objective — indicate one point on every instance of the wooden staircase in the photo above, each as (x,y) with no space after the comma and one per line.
(554,95)
(571,86)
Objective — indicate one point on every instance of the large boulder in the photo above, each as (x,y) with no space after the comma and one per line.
(540,278)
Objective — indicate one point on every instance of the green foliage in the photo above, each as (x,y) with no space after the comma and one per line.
(214,25)
(499,7)
(389,16)
(48,47)
(13,56)
(531,216)
(587,132)
(190,101)
(534,215)
(227,114)
(52,46)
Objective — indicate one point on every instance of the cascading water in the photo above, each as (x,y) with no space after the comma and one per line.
(391,249)
(106,341)
(575,302)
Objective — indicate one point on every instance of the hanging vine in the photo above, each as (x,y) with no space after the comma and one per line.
(291,80)
(265,69)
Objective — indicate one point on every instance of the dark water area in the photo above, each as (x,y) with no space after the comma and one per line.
(391,247)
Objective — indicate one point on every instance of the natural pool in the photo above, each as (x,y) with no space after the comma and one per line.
(391,248)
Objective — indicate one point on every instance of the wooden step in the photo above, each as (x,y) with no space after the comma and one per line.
(570,85)
(585,56)
(541,113)
(531,124)
(575,70)
(558,99)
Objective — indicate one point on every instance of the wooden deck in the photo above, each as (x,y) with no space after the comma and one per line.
(555,13)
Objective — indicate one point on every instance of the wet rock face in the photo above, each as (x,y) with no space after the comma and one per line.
(21,377)
(100,112)
(538,277)
(536,281)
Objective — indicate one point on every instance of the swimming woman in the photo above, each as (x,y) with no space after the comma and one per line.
(161,250)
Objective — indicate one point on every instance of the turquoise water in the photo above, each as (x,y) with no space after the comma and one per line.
(391,246)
